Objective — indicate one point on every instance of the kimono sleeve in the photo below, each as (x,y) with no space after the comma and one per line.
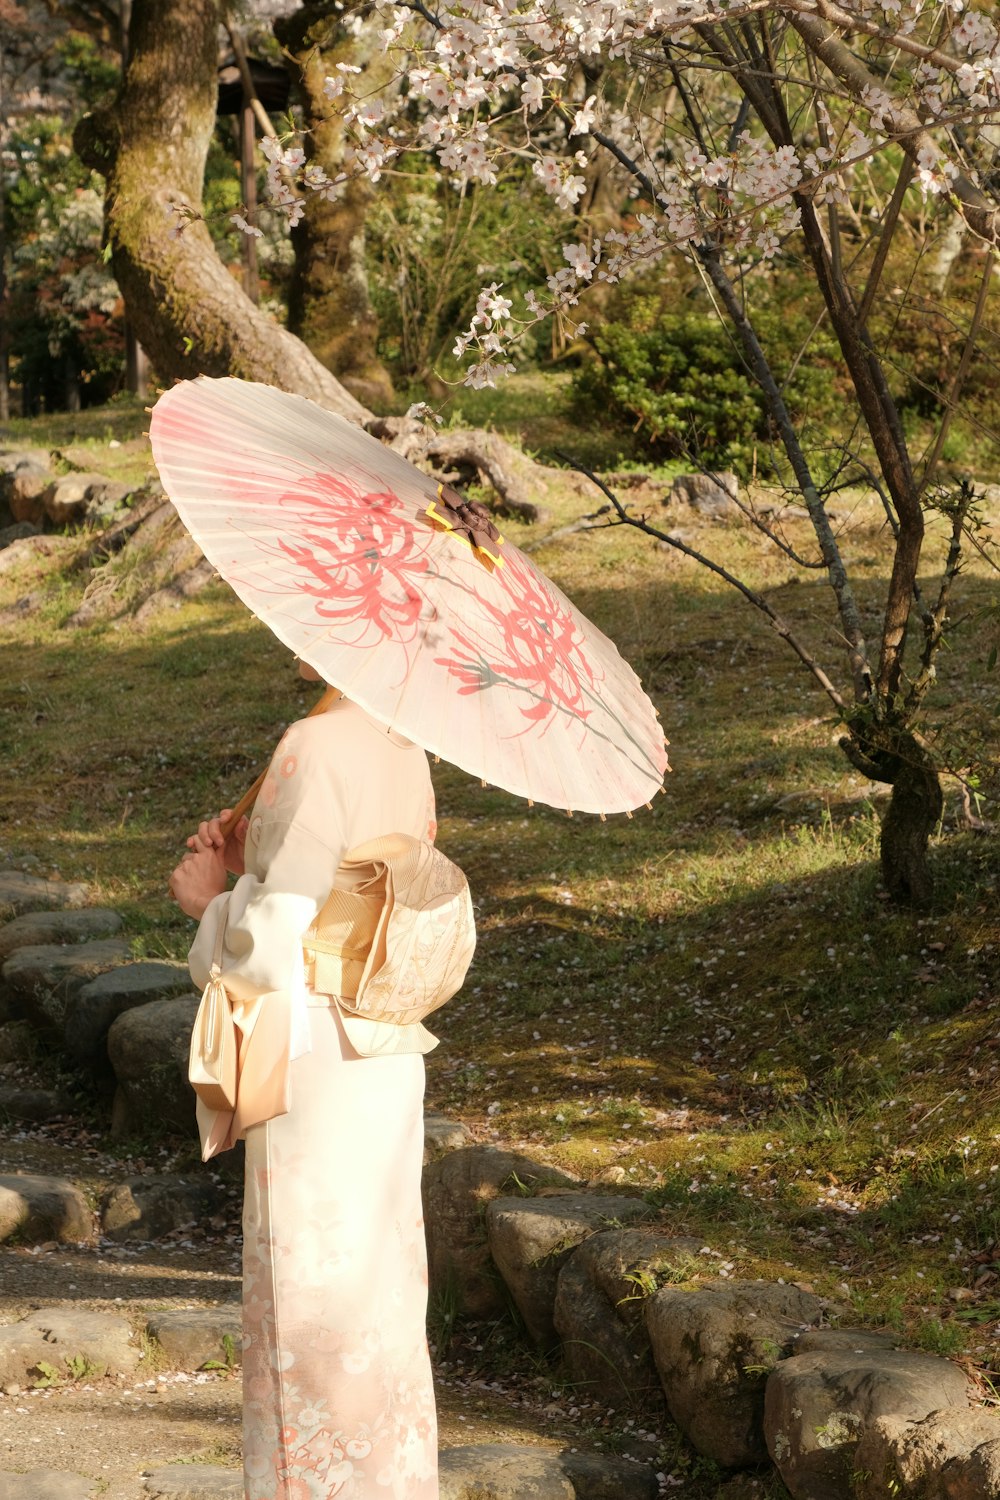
(296,840)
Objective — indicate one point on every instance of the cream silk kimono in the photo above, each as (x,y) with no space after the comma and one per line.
(337,1394)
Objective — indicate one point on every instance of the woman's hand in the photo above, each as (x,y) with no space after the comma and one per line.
(198,879)
(233,844)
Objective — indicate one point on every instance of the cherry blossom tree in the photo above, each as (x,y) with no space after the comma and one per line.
(746,135)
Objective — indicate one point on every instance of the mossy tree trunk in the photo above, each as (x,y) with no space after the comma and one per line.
(329,306)
(189,313)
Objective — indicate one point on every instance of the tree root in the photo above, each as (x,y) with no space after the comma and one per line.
(464,456)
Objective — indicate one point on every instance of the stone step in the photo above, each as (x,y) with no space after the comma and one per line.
(91,1013)
(20,892)
(146,1208)
(35,1209)
(193,1482)
(46,1484)
(18,1042)
(71,1343)
(34,929)
(32,1105)
(39,982)
(148,1048)
(476,1471)
(192,1338)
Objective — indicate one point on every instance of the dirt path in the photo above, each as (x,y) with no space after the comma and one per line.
(115,1430)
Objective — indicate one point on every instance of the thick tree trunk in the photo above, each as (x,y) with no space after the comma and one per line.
(913,813)
(329,306)
(189,313)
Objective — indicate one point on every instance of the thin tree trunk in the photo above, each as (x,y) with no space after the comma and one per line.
(191,316)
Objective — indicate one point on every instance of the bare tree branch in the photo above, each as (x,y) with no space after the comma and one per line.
(625,518)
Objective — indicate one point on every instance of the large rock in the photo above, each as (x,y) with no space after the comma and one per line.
(26,490)
(17,1042)
(442,1134)
(65,499)
(21,892)
(598,1311)
(28,550)
(456,1190)
(496,1471)
(713,1344)
(37,928)
(16,533)
(35,1209)
(84,497)
(39,983)
(148,1048)
(144,1208)
(194,1337)
(33,1105)
(74,1342)
(950,1455)
(46,1484)
(819,1405)
(193,1482)
(712,495)
(529,1239)
(90,1015)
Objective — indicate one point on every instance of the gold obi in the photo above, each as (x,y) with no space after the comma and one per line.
(399,944)
(339,941)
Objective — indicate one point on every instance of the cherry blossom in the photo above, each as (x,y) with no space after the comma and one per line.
(552,83)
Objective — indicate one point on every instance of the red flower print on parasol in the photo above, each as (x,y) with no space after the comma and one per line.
(534,644)
(406,597)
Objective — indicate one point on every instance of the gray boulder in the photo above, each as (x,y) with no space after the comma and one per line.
(107,502)
(951,1455)
(442,1134)
(16,533)
(496,1471)
(456,1190)
(713,1344)
(74,1342)
(91,1013)
(37,928)
(144,1208)
(598,1312)
(25,491)
(194,1337)
(193,1482)
(18,1042)
(38,983)
(819,1405)
(46,1484)
(711,495)
(32,1104)
(148,1048)
(21,892)
(65,499)
(530,1238)
(35,1209)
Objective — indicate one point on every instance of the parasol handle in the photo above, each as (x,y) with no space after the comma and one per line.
(250,796)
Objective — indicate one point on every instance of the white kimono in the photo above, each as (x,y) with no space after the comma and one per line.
(338,1399)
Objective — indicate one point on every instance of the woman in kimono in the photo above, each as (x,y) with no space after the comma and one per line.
(337,1393)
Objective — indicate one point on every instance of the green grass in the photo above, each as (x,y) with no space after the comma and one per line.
(711,1002)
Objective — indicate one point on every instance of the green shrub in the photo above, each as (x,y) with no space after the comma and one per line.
(677,381)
